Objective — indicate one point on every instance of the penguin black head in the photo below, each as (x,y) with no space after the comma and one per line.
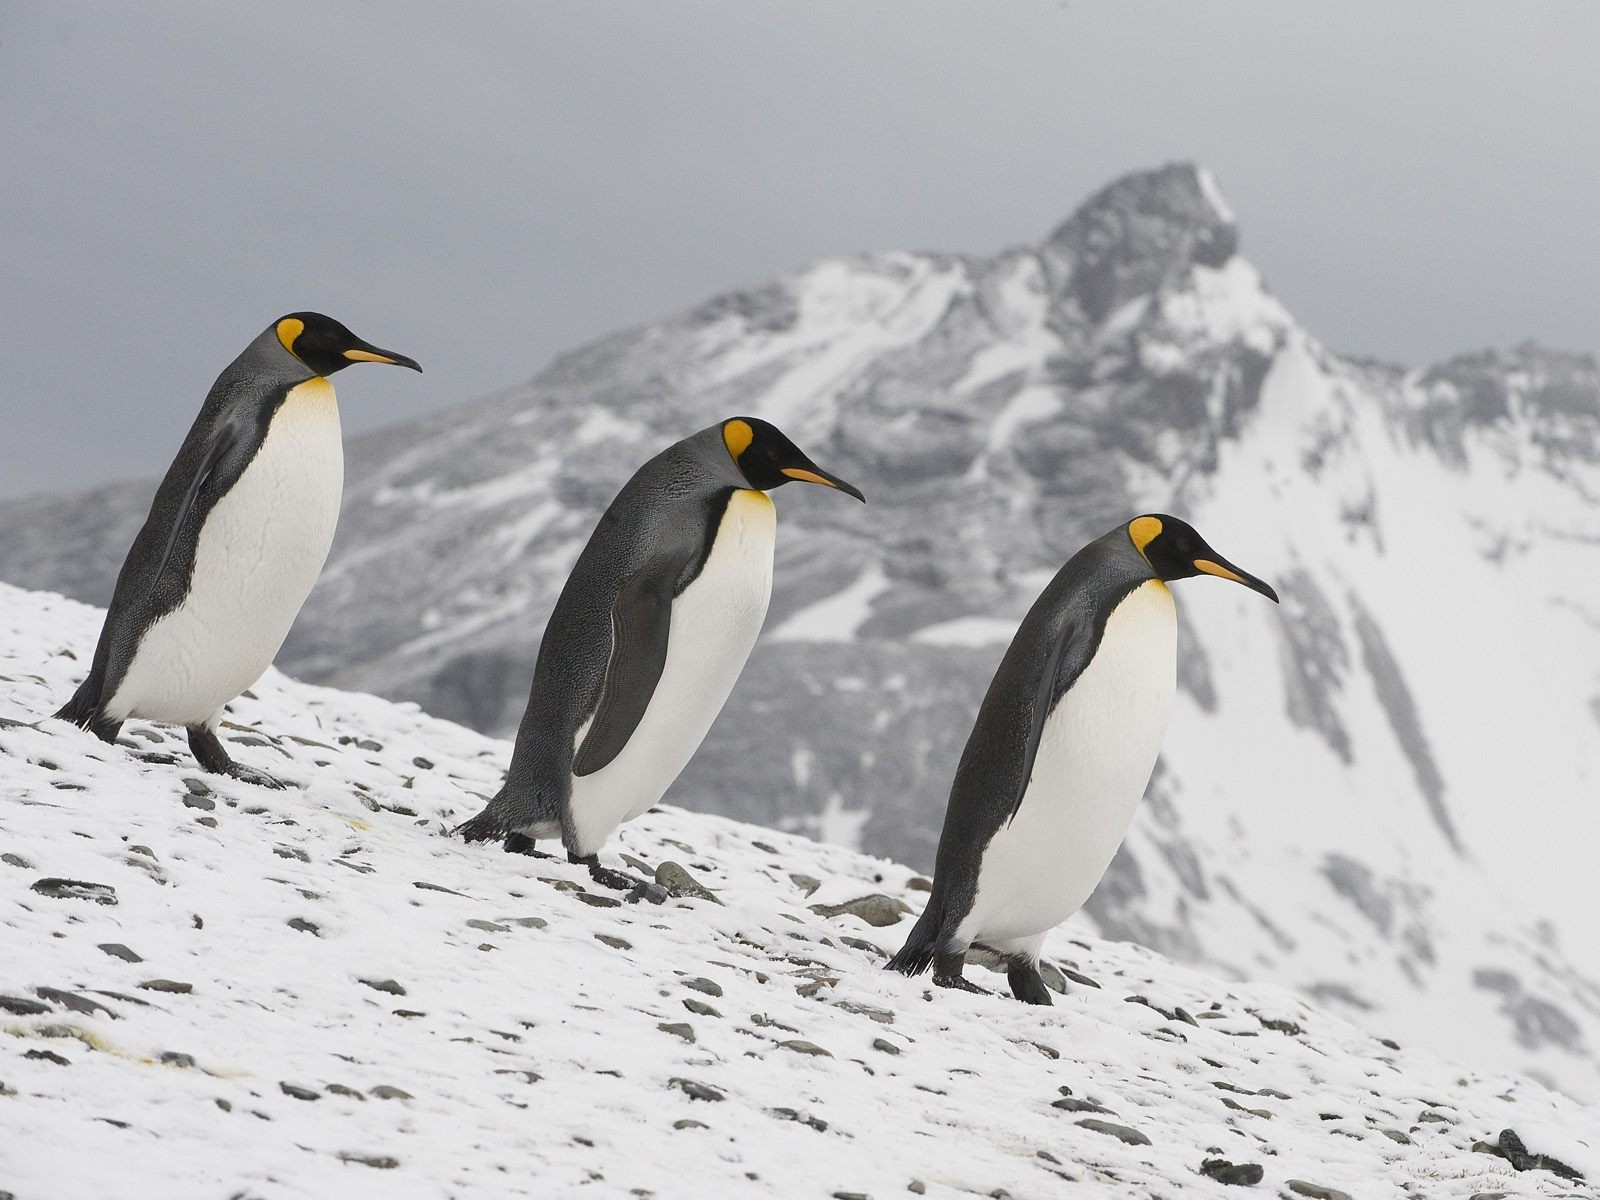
(326,346)
(1175,550)
(767,459)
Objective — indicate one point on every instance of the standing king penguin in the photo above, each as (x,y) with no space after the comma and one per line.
(646,640)
(1064,743)
(236,536)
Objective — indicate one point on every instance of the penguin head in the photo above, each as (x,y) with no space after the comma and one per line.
(325,346)
(1175,550)
(767,459)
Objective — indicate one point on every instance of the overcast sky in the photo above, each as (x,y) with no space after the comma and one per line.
(483,185)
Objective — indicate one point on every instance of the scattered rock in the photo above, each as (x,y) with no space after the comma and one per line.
(75,889)
(919,883)
(167,985)
(291,852)
(1223,1171)
(885,1046)
(701,984)
(876,910)
(1315,1190)
(1078,977)
(1510,1147)
(806,883)
(174,1058)
(1121,1132)
(434,887)
(689,1123)
(16,860)
(871,948)
(789,1114)
(700,1008)
(682,885)
(384,1092)
(615,943)
(385,985)
(881,1015)
(1394,1135)
(72,1001)
(49,1056)
(694,1089)
(23,1007)
(594,901)
(203,803)
(526,922)
(422,764)
(381,1162)
(304,926)
(118,950)
(800,1046)
(1072,1104)
(298,1092)
(339,1089)
(680,1029)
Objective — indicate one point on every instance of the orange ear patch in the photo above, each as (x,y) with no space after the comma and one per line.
(737,436)
(1143,531)
(288,329)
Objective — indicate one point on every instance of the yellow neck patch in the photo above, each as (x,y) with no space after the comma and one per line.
(288,329)
(737,436)
(1143,531)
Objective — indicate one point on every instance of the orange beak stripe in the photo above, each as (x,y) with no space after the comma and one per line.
(805,476)
(1211,568)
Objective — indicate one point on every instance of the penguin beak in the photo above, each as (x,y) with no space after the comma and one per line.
(1223,569)
(815,474)
(366,352)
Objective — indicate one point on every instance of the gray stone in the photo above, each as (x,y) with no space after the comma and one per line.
(76,889)
(682,885)
(118,950)
(800,1046)
(876,910)
(680,1029)
(172,986)
(1121,1132)
(694,1089)
(298,1092)
(386,985)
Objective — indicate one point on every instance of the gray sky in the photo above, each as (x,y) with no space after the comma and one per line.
(482,185)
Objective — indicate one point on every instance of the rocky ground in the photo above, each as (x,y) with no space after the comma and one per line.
(212,989)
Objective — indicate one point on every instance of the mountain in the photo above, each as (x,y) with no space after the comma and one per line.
(1380,793)
(213,987)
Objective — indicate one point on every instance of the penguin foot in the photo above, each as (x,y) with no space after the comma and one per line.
(619,881)
(254,775)
(958,983)
(1027,984)
(521,843)
(211,756)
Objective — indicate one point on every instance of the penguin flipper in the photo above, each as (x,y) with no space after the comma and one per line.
(211,469)
(640,618)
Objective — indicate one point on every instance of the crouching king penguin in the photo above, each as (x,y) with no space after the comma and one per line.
(646,640)
(1064,744)
(236,536)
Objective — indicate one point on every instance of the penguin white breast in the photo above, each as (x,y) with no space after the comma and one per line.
(714,625)
(1096,752)
(261,548)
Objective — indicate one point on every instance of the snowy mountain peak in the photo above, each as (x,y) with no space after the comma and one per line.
(1137,234)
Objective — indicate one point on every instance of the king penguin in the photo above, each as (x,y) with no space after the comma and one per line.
(1064,744)
(646,640)
(236,536)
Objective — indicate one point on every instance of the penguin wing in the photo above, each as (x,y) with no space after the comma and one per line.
(640,618)
(1070,653)
(219,467)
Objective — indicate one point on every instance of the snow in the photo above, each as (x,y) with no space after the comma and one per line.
(837,618)
(530,1056)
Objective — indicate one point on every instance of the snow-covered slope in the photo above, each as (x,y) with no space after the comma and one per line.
(1381,793)
(314,993)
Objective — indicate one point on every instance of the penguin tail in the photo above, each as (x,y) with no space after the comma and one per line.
(84,711)
(916,956)
(487,826)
